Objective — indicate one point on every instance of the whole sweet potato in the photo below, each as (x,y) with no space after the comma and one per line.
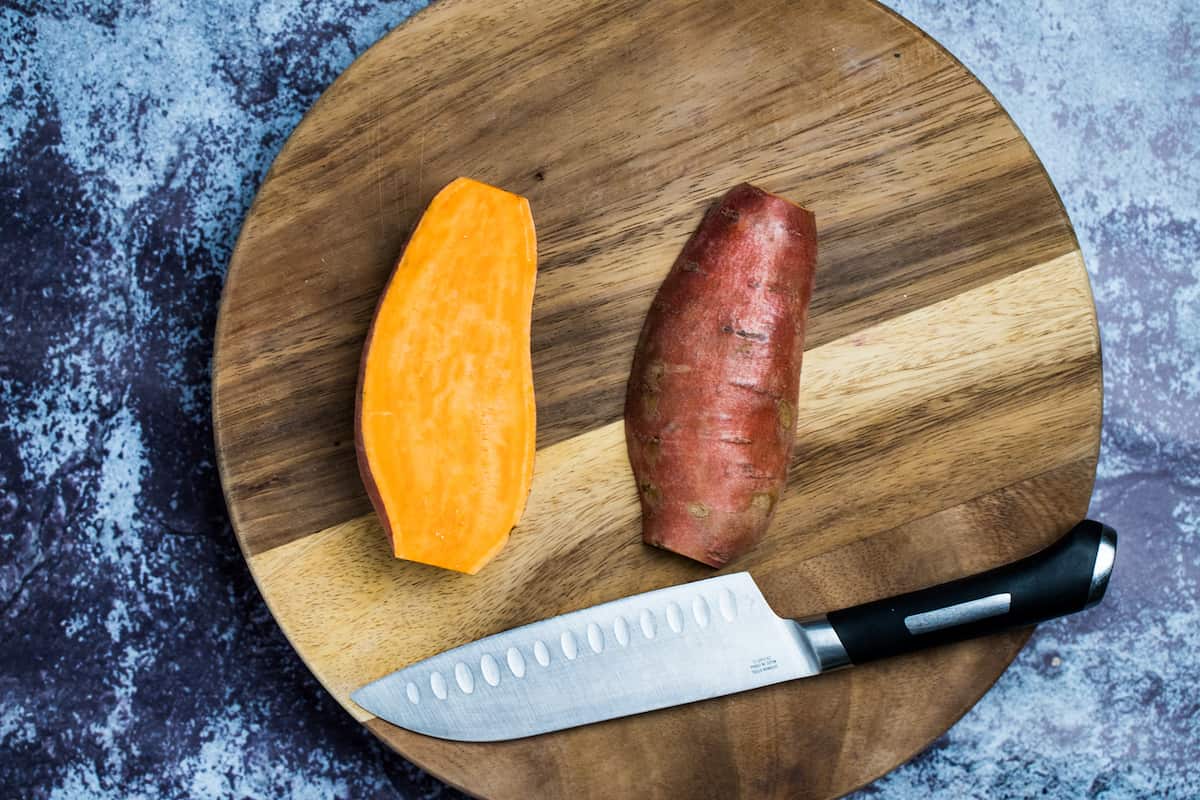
(710,409)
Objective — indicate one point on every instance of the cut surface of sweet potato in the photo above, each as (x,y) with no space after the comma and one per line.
(445,420)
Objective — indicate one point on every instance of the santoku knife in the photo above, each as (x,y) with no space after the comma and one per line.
(710,638)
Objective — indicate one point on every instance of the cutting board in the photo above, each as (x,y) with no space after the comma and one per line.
(950,402)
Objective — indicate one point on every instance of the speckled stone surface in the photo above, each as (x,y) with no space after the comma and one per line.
(136,657)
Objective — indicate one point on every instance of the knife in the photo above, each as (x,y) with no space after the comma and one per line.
(710,638)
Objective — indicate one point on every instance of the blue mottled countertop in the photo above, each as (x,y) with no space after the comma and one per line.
(137,660)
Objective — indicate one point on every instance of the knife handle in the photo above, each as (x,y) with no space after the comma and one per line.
(1068,576)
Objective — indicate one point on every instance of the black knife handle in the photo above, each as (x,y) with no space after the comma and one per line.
(1068,576)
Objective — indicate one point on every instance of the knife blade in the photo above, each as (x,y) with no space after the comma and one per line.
(709,638)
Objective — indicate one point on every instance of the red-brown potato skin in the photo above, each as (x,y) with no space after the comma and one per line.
(710,409)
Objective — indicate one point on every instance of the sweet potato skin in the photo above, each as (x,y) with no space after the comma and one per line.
(710,409)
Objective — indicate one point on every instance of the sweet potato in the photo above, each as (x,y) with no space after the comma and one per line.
(445,417)
(710,409)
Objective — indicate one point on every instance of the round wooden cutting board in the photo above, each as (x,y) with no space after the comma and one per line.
(950,401)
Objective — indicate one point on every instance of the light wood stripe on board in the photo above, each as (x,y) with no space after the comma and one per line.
(356,613)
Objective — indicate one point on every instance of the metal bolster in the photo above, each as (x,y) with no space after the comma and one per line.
(825,643)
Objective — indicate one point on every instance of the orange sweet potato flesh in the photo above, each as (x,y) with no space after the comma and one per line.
(445,418)
(710,409)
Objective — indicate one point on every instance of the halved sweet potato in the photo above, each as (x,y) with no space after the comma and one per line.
(445,419)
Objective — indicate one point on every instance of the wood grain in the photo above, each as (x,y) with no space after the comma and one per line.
(950,401)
